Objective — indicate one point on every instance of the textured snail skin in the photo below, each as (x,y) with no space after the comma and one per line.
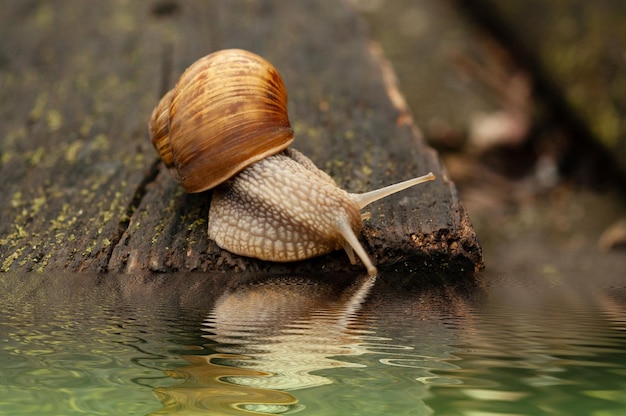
(281,208)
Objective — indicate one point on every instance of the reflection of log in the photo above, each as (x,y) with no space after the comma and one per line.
(82,186)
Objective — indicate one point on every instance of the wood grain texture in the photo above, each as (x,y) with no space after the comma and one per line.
(83,189)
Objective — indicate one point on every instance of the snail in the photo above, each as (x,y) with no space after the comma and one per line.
(224,126)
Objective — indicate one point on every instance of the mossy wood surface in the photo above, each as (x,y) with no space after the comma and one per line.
(83,189)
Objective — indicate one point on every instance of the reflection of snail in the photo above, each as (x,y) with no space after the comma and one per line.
(225,125)
(267,339)
(290,328)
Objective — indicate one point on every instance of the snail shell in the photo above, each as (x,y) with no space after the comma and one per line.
(227,111)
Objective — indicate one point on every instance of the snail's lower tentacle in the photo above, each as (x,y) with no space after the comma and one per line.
(353,245)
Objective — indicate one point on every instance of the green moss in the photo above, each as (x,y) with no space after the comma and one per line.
(38,108)
(44,262)
(6,265)
(166,217)
(101,143)
(38,202)
(6,156)
(89,249)
(35,157)
(54,120)
(20,232)
(72,151)
(197,223)
(367,170)
(63,220)
(16,199)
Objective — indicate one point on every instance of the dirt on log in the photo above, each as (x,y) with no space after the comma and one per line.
(83,189)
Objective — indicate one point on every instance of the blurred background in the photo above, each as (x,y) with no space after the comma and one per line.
(525,102)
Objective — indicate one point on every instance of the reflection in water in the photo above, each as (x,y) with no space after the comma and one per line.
(272,335)
(406,345)
(290,329)
(311,337)
(76,345)
(205,391)
(525,348)
(542,348)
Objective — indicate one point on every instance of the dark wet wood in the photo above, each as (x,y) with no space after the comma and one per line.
(82,189)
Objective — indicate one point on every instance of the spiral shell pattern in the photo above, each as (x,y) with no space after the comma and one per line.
(227,111)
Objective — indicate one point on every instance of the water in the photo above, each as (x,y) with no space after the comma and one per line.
(326,345)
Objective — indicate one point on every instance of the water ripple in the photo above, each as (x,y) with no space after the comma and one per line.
(295,345)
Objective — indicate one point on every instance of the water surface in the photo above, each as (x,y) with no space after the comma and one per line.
(311,345)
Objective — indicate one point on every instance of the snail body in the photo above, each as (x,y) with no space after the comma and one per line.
(224,126)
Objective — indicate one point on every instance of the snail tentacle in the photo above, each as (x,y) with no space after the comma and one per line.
(366,198)
(352,245)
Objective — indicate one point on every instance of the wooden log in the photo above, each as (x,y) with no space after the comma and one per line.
(83,189)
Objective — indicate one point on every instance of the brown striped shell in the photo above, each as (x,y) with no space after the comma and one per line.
(227,111)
